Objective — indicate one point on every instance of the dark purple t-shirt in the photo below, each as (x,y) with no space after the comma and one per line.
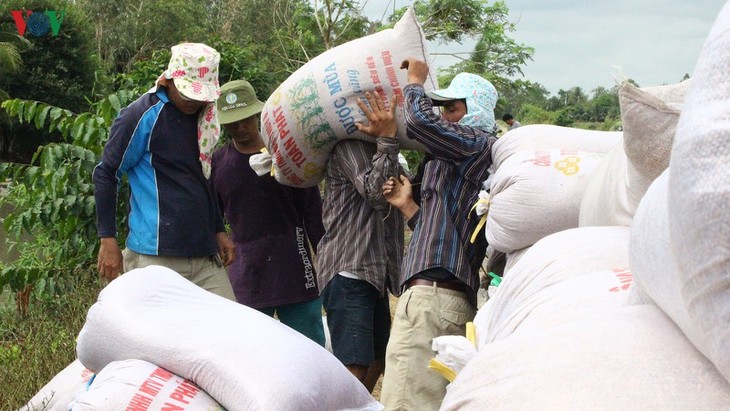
(272,226)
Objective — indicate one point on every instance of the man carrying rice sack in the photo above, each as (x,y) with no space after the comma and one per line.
(439,277)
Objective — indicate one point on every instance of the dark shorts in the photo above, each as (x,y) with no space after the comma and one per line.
(358,318)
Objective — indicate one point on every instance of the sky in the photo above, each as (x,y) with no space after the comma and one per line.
(591,43)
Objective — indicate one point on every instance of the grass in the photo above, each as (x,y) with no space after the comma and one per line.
(35,346)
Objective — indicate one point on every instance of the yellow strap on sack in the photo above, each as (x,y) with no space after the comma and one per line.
(265,151)
(482,220)
(471,333)
(442,368)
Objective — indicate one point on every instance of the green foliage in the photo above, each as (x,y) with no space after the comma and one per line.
(129,31)
(250,64)
(37,345)
(565,118)
(10,60)
(339,21)
(448,20)
(518,94)
(531,114)
(414,158)
(53,197)
(61,69)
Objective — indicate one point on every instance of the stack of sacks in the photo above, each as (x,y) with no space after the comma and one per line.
(681,235)
(560,334)
(649,117)
(540,172)
(61,390)
(539,188)
(316,106)
(242,358)
(553,338)
(139,385)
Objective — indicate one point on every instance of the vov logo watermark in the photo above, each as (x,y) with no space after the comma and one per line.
(38,23)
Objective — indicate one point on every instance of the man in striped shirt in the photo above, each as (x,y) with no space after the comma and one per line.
(360,253)
(440,274)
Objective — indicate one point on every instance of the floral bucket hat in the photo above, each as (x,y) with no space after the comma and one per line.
(194,69)
(480,96)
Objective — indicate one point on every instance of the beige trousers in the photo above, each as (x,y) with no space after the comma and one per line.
(423,312)
(203,271)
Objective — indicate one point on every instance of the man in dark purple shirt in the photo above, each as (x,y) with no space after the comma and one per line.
(273,226)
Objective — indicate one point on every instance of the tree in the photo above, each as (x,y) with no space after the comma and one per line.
(519,93)
(338,20)
(10,63)
(61,69)
(129,30)
(603,106)
(496,54)
(10,60)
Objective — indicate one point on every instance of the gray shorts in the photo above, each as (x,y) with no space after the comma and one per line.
(205,272)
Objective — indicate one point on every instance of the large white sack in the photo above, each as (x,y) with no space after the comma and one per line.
(316,106)
(561,334)
(61,390)
(615,188)
(658,275)
(614,358)
(592,261)
(140,385)
(244,359)
(545,136)
(699,192)
(538,183)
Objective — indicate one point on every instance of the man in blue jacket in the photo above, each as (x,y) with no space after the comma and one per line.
(163,143)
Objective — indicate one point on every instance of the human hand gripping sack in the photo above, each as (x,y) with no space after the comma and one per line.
(417,70)
(382,120)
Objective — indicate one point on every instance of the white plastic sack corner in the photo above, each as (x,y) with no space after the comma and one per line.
(61,390)
(315,107)
(242,358)
(453,351)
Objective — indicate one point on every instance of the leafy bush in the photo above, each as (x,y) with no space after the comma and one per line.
(53,197)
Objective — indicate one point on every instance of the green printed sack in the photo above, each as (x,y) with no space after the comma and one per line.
(316,106)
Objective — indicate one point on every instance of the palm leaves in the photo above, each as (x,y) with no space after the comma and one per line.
(10,61)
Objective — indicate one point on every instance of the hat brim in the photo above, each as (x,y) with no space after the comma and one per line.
(208,94)
(238,114)
(443,95)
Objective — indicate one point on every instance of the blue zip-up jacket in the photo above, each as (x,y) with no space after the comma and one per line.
(173,211)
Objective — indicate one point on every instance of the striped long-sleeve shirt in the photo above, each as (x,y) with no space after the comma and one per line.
(450,188)
(363,235)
